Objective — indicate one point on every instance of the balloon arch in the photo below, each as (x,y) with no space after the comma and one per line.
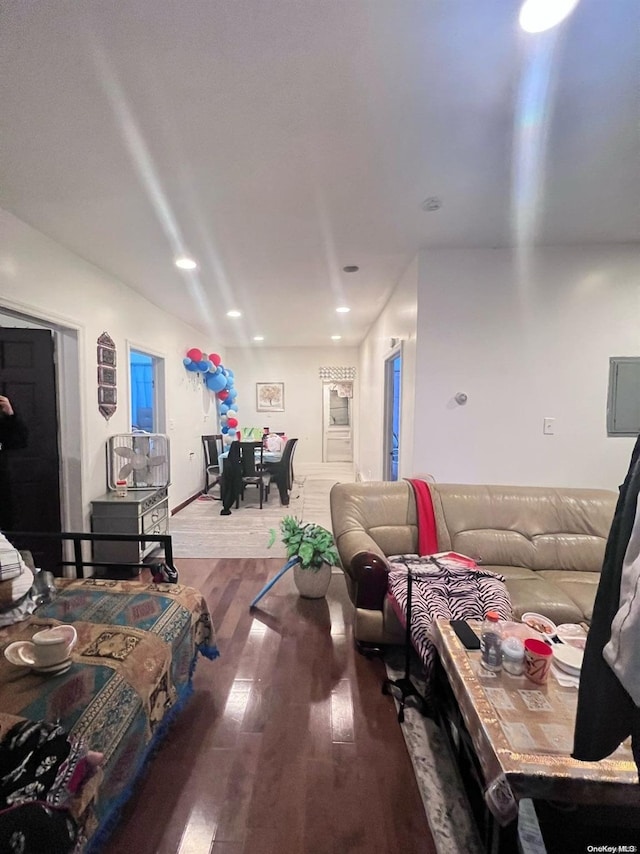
(219,380)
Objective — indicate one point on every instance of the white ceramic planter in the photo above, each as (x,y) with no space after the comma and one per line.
(312,584)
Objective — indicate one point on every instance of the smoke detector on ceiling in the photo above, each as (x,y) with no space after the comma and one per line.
(431,203)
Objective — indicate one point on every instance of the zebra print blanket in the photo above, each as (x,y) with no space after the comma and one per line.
(449,586)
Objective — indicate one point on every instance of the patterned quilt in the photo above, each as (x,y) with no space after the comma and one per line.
(450,586)
(132,667)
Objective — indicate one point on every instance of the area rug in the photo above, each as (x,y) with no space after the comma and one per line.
(441,788)
(199,531)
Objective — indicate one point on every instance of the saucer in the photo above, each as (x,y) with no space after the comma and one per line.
(54,669)
(12,654)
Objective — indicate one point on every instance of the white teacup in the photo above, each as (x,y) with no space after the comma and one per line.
(49,647)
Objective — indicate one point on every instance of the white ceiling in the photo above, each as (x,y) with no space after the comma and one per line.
(279,140)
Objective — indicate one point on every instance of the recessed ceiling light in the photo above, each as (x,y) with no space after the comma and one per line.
(431,203)
(536,16)
(258,337)
(234,313)
(351,268)
(343,309)
(185,263)
(336,337)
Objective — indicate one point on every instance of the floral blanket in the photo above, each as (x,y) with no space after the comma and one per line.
(450,586)
(131,673)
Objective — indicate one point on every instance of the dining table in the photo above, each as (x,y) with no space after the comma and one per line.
(267,457)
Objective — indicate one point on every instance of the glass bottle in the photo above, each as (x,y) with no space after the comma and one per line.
(491,642)
(121,488)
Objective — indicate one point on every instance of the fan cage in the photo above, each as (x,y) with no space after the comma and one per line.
(142,459)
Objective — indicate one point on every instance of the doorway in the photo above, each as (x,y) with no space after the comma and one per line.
(392,408)
(146,386)
(37,352)
(337,432)
(28,379)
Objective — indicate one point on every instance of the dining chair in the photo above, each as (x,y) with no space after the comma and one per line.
(213,447)
(253,470)
(282,472)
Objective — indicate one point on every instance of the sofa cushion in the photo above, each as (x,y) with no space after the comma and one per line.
(581,587)
(536,527)
(532,591)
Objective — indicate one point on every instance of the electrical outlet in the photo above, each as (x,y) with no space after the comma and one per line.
(172,424)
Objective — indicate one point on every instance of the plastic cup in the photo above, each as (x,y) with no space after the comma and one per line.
(537,660)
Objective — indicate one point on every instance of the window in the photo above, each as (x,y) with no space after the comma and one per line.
(623,404)
(338,410)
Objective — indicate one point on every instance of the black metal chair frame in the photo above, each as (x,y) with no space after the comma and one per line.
(24,540)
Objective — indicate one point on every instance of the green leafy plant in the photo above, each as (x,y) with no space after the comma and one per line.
(311,544)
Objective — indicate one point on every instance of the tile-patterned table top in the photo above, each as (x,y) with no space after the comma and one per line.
(524,732)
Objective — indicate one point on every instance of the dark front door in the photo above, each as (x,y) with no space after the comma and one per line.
(27,378)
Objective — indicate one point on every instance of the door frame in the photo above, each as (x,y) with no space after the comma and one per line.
(389,359)
(68,373)
(326,428)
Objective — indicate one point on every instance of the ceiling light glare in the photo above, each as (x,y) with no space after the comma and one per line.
(258,337)
(343,309)
(185,263)
(234,313)
(351,268)
(336,337)
(536,16)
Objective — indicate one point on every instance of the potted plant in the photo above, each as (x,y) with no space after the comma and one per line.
(311,551)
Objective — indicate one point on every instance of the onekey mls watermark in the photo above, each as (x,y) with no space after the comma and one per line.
(611,849)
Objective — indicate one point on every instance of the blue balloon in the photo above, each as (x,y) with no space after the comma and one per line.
(215,382)
(224,429)
(203,365)
(192,367)
(233,393)
(234,407)
(186,361)
(230,374)
(223,409)
(212,368)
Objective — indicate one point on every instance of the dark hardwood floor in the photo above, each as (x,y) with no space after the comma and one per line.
(287,744)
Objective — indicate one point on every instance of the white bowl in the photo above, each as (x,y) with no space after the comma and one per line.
(568,658)
(539,622)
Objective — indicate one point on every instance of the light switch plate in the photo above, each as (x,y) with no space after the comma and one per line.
(549,426)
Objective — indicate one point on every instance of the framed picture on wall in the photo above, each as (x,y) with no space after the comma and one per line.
(106,356)
(107,394)
(106,375)
(270,397)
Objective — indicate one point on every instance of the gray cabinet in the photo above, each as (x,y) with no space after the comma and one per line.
(140,512)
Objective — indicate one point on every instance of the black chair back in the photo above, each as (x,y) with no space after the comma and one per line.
(212,446)
(287,460)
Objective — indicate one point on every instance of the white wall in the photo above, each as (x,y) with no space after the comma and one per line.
(298,368)
(41,279)
(397,320)
(524,338)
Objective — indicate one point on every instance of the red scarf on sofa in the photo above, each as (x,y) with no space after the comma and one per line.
(427,534)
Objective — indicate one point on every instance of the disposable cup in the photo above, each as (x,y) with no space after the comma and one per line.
(537,660)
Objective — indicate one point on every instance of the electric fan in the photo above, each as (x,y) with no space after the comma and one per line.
(142,459)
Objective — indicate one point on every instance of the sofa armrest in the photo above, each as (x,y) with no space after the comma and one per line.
(369,571)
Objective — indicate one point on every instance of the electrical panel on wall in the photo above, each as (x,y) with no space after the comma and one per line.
(142,459)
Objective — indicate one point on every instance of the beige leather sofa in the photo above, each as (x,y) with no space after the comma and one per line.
(548,543)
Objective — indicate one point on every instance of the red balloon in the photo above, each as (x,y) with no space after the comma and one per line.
(222,395)
(194,354)
(232,422)
(214,358)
